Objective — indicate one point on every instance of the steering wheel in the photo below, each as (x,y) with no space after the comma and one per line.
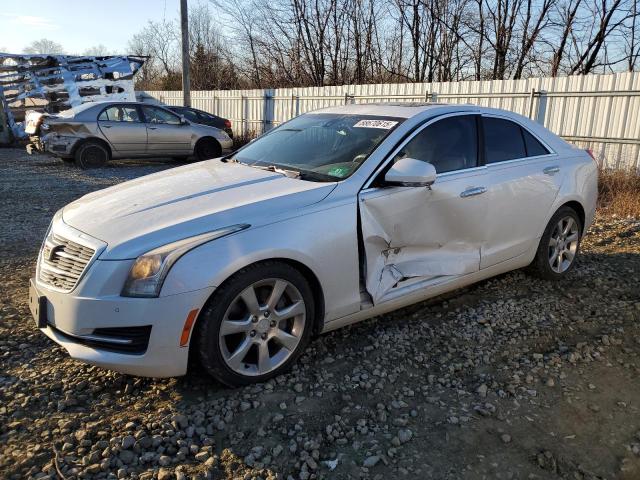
(359,158)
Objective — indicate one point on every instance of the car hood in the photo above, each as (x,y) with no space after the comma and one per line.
(140,215)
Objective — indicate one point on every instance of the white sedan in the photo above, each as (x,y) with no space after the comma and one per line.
(334,217)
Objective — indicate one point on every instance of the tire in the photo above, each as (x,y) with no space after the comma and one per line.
(207,148)
(548,264)
(91,154)
(234,358)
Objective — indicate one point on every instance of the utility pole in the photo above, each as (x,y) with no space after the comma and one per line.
(186,80)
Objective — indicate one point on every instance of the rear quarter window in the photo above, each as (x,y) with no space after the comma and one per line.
(503,140)
(534,147)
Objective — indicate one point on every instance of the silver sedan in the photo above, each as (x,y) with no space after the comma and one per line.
(93,133)
(333,217)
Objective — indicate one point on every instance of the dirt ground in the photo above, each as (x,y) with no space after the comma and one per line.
(512,378)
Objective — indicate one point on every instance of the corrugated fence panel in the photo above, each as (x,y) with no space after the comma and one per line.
(600,112)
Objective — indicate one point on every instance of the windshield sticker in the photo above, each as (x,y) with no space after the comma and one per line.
(383,124)
(339,172)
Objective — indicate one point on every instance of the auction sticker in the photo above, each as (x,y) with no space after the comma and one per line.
(383,124)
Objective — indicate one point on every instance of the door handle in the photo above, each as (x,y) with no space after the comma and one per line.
(470,192)
(152,128)
(105,126)
(551,170)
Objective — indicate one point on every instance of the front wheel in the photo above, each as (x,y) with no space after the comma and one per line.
(256,325)
(559,245)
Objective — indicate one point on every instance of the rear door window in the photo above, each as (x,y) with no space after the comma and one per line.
(503,140)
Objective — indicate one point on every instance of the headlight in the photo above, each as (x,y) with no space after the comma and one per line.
(148,272)
(44,127)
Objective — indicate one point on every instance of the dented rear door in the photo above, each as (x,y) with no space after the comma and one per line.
(417,232)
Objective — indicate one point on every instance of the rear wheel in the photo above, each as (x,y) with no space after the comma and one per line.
(207,148)
(559,245)
(256,325)
(91,154)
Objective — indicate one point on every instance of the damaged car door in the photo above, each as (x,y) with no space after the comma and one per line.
(418,235)
(122,127)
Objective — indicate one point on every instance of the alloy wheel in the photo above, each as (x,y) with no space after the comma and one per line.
(262,327)
(563,244)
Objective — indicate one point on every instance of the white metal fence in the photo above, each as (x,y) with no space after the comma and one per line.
(600,112)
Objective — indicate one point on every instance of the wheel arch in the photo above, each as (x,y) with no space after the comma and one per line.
(82,141)
(206,137)
(307,273)
(316,289)
(580,211)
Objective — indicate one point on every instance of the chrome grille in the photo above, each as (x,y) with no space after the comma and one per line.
(63,261)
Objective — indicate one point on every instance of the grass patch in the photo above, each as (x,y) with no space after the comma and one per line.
(241,139)
(619,193)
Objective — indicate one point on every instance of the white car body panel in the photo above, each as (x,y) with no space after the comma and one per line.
(137,216)
(423,243)
(405,239)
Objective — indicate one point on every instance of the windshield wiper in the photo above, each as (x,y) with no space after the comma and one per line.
(283,171)
(289,172)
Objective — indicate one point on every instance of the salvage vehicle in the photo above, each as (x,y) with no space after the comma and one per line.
(93,133)
(334,217)
(204,118)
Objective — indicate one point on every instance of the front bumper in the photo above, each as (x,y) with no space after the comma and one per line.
(74,321)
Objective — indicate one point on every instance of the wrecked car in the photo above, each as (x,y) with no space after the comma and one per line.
(93,133)
(333,217)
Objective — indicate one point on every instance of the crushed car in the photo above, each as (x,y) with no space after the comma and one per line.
(54,83)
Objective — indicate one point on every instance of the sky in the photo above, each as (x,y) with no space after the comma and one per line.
(78,25)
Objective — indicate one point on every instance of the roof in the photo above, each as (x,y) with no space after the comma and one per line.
(393,109)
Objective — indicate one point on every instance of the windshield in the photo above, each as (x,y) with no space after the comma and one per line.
(327,146)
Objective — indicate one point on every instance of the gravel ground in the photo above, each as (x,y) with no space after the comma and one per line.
(510,378)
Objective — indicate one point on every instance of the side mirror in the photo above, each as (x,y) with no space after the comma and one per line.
(409,172)
(183,121)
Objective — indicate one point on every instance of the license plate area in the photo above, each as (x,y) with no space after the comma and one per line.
(37,306)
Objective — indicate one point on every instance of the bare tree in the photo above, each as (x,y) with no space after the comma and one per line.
(533,25)
(567,13)
(632,40)
(211,66)
(331,42)
(44,45)
(604,19)
(244,24)
(96,51)
(159,40)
